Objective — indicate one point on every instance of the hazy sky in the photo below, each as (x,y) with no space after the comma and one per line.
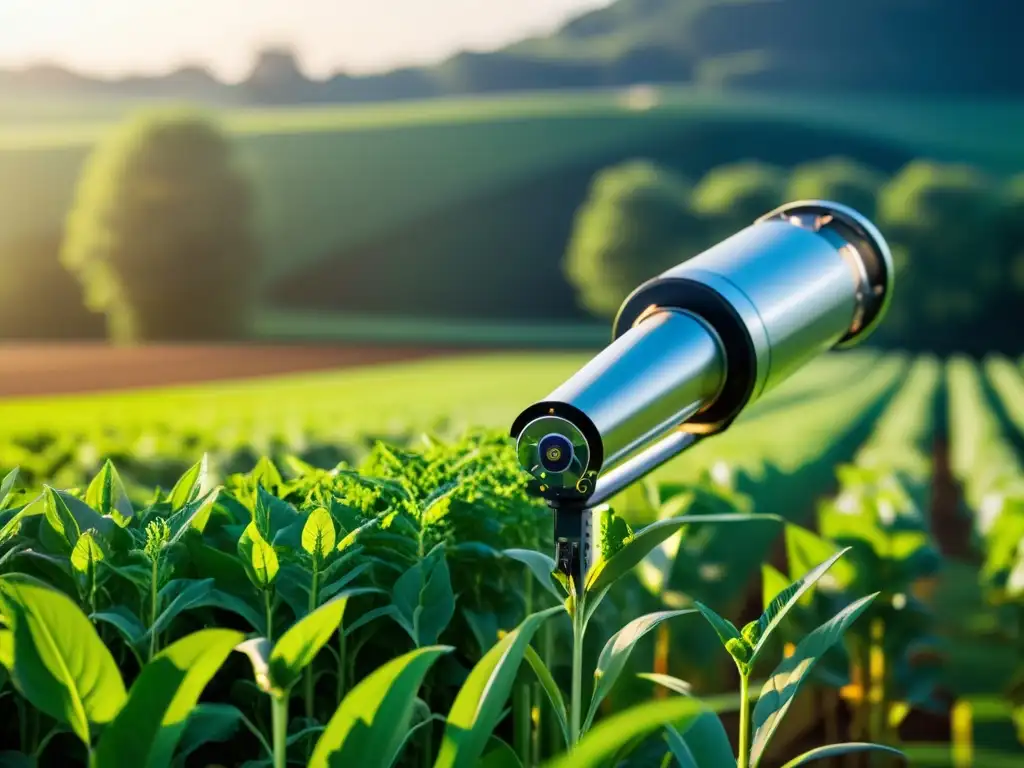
(113,36)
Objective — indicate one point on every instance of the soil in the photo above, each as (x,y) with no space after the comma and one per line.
(49,369)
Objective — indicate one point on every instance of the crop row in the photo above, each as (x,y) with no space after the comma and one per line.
(238,551)
(370,612)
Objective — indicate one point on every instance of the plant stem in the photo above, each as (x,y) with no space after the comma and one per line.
(743,761)
(309,667)
(279,720)
(577,677)
(876,692)
(428,745)
(521,722)
(38,751)
(549,725)
(521,703)
(344,659)
(269,613)
(153,604)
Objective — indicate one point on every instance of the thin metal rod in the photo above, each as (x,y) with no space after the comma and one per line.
(640,465)
(586,546)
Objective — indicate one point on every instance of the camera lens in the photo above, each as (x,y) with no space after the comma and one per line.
(556,453)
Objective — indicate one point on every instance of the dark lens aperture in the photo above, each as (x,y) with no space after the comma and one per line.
(556,453)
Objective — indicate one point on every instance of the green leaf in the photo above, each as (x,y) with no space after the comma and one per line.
(804,550)
(107,495)
(318,534)
(484,627)
(87,554)
(226,569)
(60,664)
(606,572)
(258,557)
(124,621)
(779,690)
(773,581)
(550,687)
(541,566)
(7,486)
(6,656)
(786,600)
(146,730)
(333,588)
(207,724)
(679,749)
(276,519)
(369,727)
(60,518)
(724,628)
(13,525)
(6,649)
(297,647)
(605,738)
(424,599)
(479,703)
(192,516)
(611,532)
(499,754)
(616,653)
(215,598)
(708,741)
(705,736)
(834,750)
(189,485)
(369,616)
(183,595)
(672,683)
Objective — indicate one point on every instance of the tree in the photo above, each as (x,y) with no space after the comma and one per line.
(731,197)
(635,223)
(943,224)
(839,180)
(38,298)
(160,234)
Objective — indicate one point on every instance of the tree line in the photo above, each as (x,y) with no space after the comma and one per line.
(957,236)
(163,241)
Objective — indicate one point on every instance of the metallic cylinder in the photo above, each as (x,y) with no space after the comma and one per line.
(695,345)
(681,363)
(664,369)
(803,279)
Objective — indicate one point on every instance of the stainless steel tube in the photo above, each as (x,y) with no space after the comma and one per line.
(681,364)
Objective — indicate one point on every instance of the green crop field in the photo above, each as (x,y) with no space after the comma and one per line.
(336,177)
(187,591)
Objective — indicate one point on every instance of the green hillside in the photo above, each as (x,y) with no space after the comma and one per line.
(337,177)
(415,188)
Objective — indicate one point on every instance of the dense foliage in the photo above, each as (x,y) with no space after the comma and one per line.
(163,219)
(118,617)
(293,598)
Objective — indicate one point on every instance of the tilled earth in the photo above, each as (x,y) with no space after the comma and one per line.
(47,369)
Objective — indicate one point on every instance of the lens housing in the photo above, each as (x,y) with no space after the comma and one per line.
(555,452)
(558,455)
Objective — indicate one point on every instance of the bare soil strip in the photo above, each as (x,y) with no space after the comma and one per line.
(50,369)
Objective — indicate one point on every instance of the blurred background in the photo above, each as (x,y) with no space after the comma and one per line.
(247,228)
(469,174)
